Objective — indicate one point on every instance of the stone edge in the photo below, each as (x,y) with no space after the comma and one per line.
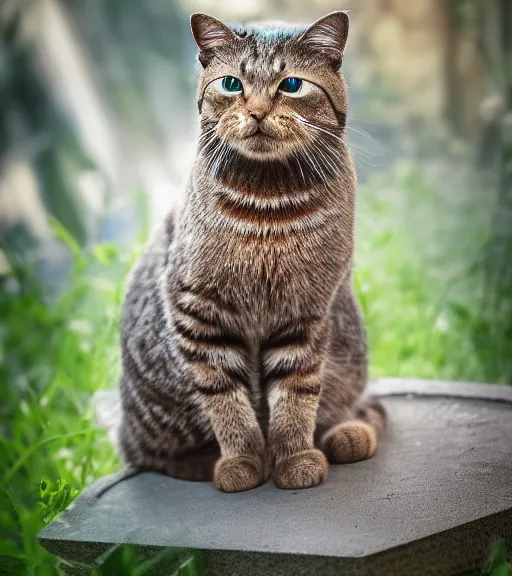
(443,554)
(417,387)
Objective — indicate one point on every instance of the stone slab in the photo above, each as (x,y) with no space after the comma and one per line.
(429,503)
(439,388)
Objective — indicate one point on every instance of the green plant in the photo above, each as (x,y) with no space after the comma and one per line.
(54,353)
(133,561)
(419,293)
(497,565)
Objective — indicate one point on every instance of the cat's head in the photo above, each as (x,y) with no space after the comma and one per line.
(271,91)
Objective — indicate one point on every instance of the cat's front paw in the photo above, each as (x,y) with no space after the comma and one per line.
(239,473)
(301,470)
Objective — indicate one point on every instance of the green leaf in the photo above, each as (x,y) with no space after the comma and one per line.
(189,568)
(55,498)
(462,312)
(502,570)
(121,562)
(105,253)
(11,565)
(162,562)
(498,557)
(62,234)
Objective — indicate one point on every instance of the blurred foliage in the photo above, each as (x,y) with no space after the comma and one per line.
(497,564)
(142,58)
(53,355)
(144,55)
(32,126)
(497,272)
(141,561)
(419,275)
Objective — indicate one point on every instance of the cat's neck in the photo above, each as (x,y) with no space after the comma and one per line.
(295,174)
(263,199)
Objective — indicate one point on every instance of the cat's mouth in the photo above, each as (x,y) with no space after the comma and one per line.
(258,132)
(261,140)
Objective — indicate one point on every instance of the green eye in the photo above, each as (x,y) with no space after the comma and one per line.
(231,84)
(290,85)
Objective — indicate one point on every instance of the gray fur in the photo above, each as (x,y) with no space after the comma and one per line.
(241,336)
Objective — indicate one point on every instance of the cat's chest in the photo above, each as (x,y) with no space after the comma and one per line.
(254,270)
(264,278)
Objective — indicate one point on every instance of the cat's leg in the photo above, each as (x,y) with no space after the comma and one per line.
(355,438)
(217,369)
(215,360)
(292,366)
(235,425)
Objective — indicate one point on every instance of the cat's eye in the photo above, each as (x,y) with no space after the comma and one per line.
(290,85)
(229,85)
(294,87)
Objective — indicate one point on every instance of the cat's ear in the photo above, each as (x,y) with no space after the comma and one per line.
(329,36)
(210,34)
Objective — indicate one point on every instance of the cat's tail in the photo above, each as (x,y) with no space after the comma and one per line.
(357,436)
(371,411)
(195,465)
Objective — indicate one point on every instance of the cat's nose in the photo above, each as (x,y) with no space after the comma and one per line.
(258,114)
(258,108)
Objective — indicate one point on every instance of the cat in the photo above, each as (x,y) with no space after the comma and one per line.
(243,349)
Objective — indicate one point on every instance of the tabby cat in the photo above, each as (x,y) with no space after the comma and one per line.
(243,350)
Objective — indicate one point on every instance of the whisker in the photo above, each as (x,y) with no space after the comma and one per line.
(326,160)
(323,130)
(332,154)
(222,157)
(203,146)
(207,134)
(366,135)
(215,164)
(326,155)
(296,157)
(319,128)
(316,166)
(375,123)
(364,151)
(212,154)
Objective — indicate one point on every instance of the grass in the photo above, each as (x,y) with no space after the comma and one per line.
(418,276)
(54,354)
(415,286)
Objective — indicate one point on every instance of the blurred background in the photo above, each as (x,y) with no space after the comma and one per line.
(97,129)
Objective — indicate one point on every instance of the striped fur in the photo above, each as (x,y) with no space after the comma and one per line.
(243,349)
